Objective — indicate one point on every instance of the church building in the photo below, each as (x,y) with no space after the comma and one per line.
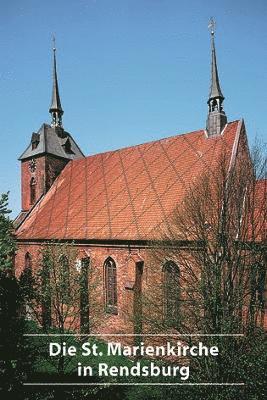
(113,205)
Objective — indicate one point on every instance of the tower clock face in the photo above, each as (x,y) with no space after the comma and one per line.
(32,165)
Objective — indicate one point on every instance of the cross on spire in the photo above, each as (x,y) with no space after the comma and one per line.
(54,43)
(212,25)
(55,109)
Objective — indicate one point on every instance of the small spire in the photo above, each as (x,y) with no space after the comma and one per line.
(55,109)
(216,116)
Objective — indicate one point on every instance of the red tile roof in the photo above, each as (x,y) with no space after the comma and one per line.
(127,193)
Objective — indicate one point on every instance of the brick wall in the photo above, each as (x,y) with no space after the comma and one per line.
(47,168)
(26,176)
(127,261)
(53,168)
(104,322)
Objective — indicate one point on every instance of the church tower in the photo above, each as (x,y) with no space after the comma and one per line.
(217,119)
(50,149)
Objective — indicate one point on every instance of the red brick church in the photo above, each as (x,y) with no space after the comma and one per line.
(112,205)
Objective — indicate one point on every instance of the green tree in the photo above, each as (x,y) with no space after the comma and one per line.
(13,350)
(7,242)
(64,295)
(217,238)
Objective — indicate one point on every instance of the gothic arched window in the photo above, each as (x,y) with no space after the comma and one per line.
(171,288)
(28,261)
(26,285)
(46,291)
(33,190)
(84,295)
(258,284)
(111,285)
(64,277)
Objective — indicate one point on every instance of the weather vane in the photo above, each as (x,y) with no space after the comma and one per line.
(211,26)
(54,42)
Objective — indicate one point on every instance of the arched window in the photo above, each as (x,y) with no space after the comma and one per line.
(258,284)
(84,295)
(111,285)
(171,290)
(214,105)
(33,190)
(27,287)
(46,292)
(64,278)
(28,261)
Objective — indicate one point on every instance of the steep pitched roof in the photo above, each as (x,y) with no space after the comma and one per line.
(52,140)
(128,193)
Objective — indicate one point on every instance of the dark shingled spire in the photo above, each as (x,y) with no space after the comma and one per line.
(217,119)
(55,109)
(215,90)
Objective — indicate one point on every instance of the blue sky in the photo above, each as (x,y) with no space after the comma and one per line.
(130,71)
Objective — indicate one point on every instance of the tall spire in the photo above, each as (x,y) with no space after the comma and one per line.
(55,109)
(217,119)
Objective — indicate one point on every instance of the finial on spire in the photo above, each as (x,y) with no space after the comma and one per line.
(54,43)
(212,25)
(55,109)
(216,117)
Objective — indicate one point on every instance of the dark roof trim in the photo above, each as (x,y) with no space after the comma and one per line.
(114,243)
(45,153)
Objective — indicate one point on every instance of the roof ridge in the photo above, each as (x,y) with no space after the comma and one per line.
(150,142)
